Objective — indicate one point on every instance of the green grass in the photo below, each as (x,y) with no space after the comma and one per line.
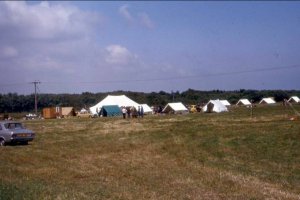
(195,156)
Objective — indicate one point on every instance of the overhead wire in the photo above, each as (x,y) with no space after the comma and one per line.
(180,77)
(164,78)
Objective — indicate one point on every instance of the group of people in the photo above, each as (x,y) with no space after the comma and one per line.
(132,112)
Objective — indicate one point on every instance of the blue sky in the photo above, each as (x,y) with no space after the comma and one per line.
(78,46)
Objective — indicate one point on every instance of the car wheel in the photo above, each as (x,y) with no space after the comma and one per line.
(2,142)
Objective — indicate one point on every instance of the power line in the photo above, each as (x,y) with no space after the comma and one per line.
(182,77)
(165,78)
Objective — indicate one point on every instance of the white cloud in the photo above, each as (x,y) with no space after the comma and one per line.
(123,10)
(146,21)
(142,18)
(46,35)
(45,21)
(49,42)
(117,54)
(58,42)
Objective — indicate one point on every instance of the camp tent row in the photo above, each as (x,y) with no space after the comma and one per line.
(112,102)
(269,100)
(110,105)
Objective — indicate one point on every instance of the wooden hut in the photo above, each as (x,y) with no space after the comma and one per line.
(52,112)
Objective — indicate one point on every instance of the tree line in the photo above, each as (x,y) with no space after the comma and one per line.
(13,102)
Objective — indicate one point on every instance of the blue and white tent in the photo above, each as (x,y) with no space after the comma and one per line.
(119,100)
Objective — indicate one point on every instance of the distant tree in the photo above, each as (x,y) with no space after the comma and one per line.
(162,93)
(280,96)
(242,90)
(256,97)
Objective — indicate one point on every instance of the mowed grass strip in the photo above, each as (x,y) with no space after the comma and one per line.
(195,156)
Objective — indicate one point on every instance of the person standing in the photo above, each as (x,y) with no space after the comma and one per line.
(124,112)
(134,112)
(142,112)
(128,112)
(139,111)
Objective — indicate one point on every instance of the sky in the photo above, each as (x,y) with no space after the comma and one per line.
(102,46)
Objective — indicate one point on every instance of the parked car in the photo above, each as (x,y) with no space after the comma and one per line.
(14,132)
(31,116)
(84,115)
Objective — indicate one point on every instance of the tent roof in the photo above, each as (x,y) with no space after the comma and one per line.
(175,107)
(120,100)
(267,101)
(244,102)
(146,108)
(218,106)
(225,102)
(294,98)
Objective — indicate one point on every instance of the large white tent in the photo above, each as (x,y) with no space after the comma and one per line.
(244,102)
(294,99)
(225,102)
(214,106)
(119,100)
(267,101)
(175,108)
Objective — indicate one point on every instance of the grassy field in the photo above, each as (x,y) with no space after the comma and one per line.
(193,156)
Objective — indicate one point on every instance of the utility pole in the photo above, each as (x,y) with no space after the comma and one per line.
(35,95)
(172,96)
(251,107)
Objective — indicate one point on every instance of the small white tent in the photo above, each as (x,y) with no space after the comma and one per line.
(269,100)
(225,102)
(294,99)
(243,102)
(147,109)
(214,106)
(175,108)
(120,100)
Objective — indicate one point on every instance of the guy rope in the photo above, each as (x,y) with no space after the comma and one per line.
(291,105)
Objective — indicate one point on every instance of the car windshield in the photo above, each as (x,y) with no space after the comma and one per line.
(13,125)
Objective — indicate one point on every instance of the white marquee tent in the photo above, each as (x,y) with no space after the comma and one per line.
(294,99)
(225,102)
(214,106)
(175,107)
(120,100)
(267,101)
(244,102)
